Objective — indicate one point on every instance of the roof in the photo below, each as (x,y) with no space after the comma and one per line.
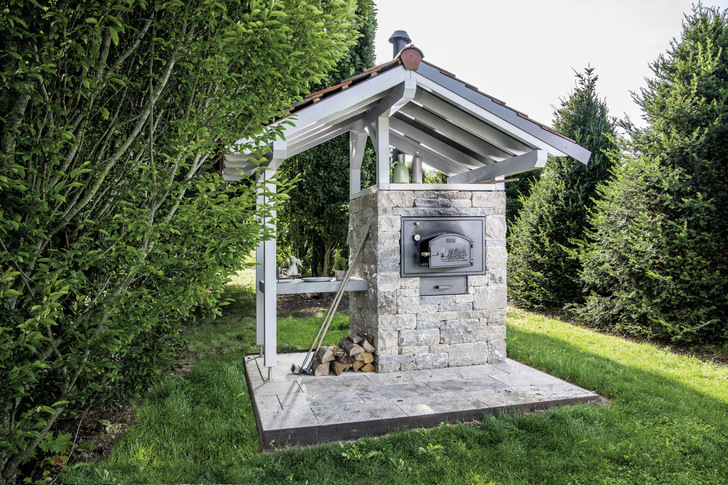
(457,129)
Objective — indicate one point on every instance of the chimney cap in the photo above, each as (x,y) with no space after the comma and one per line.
(400,34)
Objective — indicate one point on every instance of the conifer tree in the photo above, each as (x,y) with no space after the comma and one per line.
(657,265)
(542,267)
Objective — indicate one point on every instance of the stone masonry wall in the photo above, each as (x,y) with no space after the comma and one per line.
(424,332)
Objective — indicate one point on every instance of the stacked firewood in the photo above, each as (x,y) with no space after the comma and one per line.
(355,352)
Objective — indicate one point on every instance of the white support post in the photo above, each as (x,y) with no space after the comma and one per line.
(357,144)
(269,286)
(381,147)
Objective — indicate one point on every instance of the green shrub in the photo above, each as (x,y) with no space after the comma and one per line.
(657,264)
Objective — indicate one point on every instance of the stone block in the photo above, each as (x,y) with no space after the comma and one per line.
(429,324)
(392,323)
(386,281)
(490,298)
(455,307)
(428,336)
(410,283)
(386,343)
(495,200)
(495,258)
(432,316)
(490,333)
(433,202)
(462,203)
(408,304)
(495,243)
(478,280)
(431,361)
(437,300)
(496,352)
(408,293)
(386,302)
(389,224)
(495,227)
(458,331)
(497,277)
(497,317)
(473,353)
(475,314)
(464,298)
(414,349)
(385,368)
(395,198)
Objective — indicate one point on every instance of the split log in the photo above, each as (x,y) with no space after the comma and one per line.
(355,338)
(338,352)
(321,369)
(339,368)
(346,359)
(324,354)
(350,347)
(357,365)
(367,346)
(367,368)
(359,357)
(367,357)
(369,338)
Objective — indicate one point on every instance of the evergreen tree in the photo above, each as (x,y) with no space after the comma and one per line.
(657,265)
(543,268)
(314,222)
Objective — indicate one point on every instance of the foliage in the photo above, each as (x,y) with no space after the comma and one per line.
(518,191)
(113,230)
(315,220)
(665,423)
(542,267)
(657,264)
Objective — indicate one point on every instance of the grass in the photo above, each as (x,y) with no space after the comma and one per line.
(667,421)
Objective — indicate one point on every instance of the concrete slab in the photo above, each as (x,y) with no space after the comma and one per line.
(303,409)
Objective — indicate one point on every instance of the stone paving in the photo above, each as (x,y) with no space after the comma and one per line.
(302,409)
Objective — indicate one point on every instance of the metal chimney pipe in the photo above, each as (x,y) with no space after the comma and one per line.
(399,40)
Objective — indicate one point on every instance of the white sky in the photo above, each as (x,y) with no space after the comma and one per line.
(524,52)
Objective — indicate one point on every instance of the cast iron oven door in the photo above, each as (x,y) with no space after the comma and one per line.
(447,250)
(442,246)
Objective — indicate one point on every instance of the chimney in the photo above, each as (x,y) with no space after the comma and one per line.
(399,40)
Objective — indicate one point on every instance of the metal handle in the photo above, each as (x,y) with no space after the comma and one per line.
(443,287)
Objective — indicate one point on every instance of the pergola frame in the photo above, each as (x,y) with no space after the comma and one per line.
(410,105)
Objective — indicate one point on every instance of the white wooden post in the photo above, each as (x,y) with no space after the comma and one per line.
(357,144)
(269,286)
(381,146)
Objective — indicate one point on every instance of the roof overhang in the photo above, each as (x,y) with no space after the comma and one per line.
(458,130)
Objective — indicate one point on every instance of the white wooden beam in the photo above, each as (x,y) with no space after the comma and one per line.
(429,157)
(381,147)
(446,150)
(357,145)
(476,144)
(512,166)
(267,311)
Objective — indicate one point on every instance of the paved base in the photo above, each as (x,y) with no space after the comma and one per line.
(302,409)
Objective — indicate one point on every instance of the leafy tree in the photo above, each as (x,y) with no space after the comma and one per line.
(657,264)
(543,268)
(314,221)
(114,227)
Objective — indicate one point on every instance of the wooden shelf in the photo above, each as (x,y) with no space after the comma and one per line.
(301,286)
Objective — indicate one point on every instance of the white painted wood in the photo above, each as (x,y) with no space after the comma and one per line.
(464,105)
(465,138)
(357,145)
(522,163)
(269,275)
(381,147)
(430,157)
(296,288)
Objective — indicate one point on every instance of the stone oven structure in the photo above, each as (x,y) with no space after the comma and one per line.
(430,297)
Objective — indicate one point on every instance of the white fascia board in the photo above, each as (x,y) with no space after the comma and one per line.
(491,118)
(512,166)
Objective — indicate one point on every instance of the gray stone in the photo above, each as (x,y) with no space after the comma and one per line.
(490,298)
(431,316)
(409,283)
(408,292)
(437,300)
(391,323)
(408,304)
(431,361)
(387,281)
(495,227)
(495,243)
(464,298)
(496,352)
(495,258)
(386,343)
(458,331)
(433,203)
(386,302)
(455,307)
(491,333)
(429,324)
(443,212)
(414,349)
(468,353)
(496,200)
(427,336)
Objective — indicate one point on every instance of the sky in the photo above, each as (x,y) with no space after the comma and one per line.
(526,52)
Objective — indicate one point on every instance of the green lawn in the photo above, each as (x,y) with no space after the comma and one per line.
(667,421)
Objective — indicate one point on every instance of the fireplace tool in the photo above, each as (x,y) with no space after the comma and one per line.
(305,367)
